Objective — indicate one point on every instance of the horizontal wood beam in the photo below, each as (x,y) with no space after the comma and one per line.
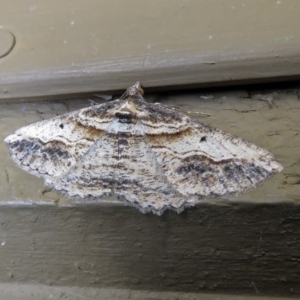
(64,48)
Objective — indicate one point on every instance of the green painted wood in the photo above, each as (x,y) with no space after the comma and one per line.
(69,47)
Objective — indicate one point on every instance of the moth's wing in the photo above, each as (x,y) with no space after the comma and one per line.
(93,176)
(141,182)
(49,148)
(121,164)
(205,161)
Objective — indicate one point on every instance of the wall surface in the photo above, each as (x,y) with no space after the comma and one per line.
(41,292)
(244,244)
(247,244)
(68,47)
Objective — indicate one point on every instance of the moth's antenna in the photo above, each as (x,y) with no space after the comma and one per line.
(136,88)
(135,91)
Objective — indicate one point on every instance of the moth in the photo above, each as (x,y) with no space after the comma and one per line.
(149,155)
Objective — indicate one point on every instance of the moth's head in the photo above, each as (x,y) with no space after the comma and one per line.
(130,109)
(135,90)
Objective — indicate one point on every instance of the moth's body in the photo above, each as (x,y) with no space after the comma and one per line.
(151,156)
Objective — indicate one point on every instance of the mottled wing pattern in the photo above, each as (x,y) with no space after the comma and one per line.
(141,182)
(120,163)
(49,148)
(205,161)
(94,174)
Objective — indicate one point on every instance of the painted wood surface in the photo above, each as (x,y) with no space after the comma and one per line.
(70,47)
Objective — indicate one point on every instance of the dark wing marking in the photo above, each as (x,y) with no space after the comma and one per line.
(49,148)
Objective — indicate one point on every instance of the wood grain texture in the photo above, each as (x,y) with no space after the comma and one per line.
(16,291)
(64,48)
(250,249)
